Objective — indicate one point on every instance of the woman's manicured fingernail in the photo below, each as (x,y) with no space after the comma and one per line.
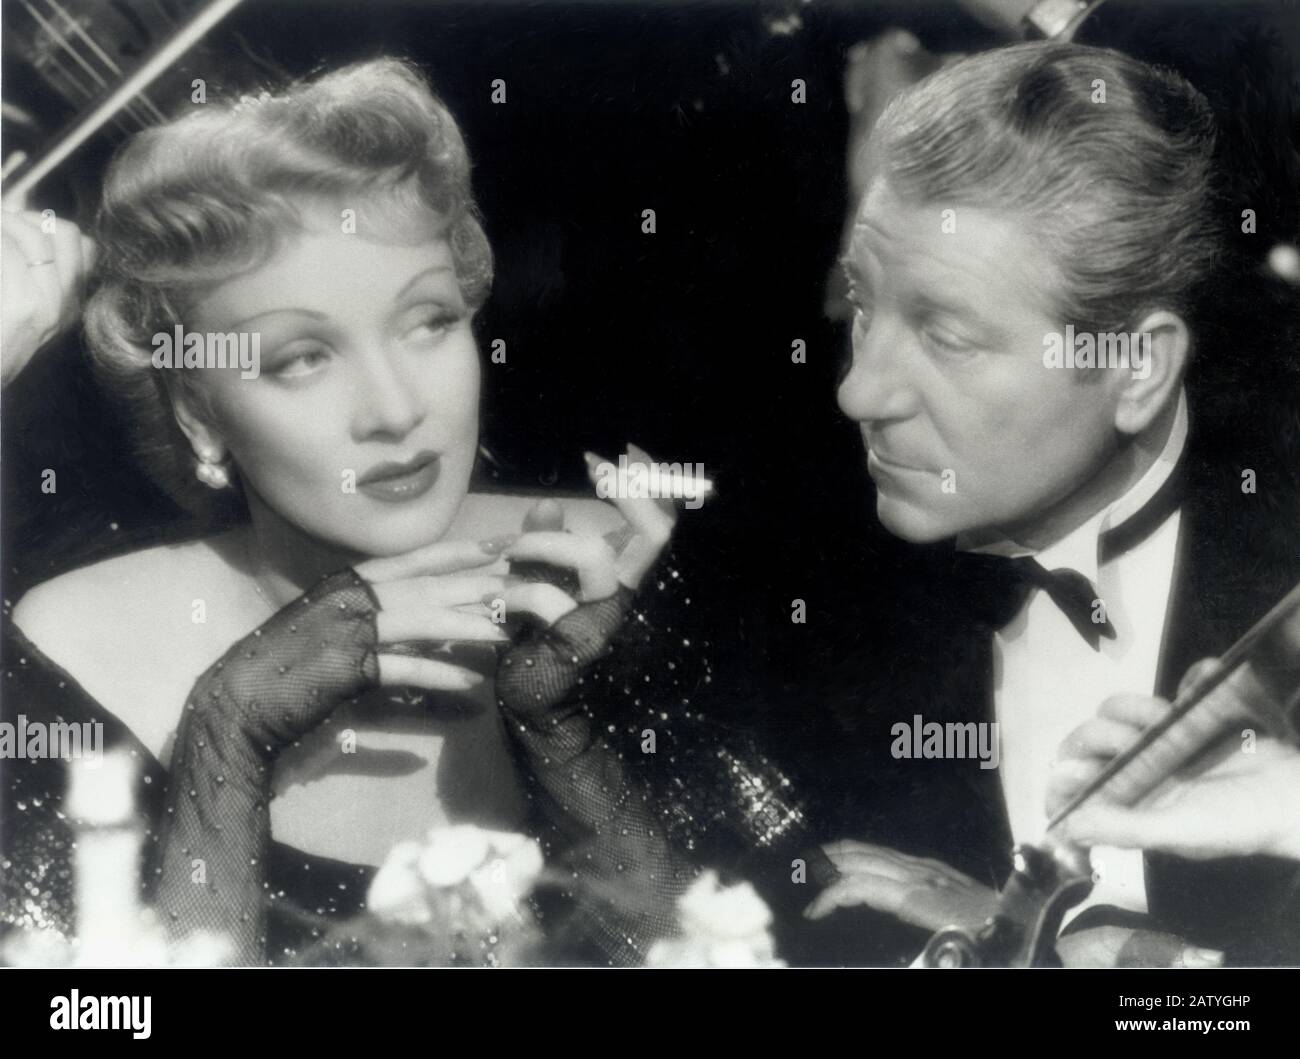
(1195,957)
(490,598)
(496,545)
(472,680)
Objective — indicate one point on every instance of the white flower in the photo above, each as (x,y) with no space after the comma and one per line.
(508,875)
(451,853)
(721,927)
(725,913)
(397,892)
(474,876)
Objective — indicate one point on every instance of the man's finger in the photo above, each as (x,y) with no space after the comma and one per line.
(1171,828)
(1068,777)
(1101,737)
(1112,946)
(1197,672)
(872,891)
(1140,711)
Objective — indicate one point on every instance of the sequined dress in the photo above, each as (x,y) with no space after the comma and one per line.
(37,839)
(632,787)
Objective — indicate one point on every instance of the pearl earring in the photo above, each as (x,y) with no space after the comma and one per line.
(212,473)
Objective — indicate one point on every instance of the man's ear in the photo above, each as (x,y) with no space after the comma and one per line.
(195,421)
(1154,373)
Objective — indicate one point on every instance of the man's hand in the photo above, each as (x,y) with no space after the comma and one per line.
(923,892)
(1248,803)
(44,261)
(1245,802)
(1111,946)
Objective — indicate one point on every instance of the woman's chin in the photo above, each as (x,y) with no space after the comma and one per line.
(394,529)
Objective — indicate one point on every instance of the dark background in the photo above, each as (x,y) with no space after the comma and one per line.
(679,341)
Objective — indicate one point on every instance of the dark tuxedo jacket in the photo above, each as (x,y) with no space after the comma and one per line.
(1237,555)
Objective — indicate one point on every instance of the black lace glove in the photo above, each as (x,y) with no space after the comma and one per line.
(634,788)
(271,688)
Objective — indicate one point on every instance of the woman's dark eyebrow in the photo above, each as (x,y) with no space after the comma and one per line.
(271,312)
(322,316)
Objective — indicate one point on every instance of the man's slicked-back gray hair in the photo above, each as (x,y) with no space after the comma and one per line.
(1109,160)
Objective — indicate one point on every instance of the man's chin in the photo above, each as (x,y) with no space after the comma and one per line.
(913,523)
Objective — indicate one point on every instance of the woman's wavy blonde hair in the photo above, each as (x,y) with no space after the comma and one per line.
(190,204)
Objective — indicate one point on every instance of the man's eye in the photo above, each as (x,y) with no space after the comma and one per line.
(861,302)
(942,340)
(861,318)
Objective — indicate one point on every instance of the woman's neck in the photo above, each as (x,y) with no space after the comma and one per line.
(283,560)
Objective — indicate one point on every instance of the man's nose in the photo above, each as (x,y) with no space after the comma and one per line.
(878,386)
(387,402)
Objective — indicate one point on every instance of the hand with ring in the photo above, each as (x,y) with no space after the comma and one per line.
(45,260)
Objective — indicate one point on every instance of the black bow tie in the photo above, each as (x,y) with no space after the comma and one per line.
(995,587)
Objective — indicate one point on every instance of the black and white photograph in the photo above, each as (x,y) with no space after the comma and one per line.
(556,484)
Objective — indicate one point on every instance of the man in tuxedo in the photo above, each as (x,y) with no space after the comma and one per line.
(1031,269)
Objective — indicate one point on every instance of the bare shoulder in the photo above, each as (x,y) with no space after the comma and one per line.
(123,593)
(132,629)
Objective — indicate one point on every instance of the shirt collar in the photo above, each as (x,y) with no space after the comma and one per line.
(1080,548)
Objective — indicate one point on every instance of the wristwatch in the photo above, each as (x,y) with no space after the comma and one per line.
(1054,19)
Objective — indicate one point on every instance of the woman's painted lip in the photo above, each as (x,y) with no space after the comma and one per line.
(398,482)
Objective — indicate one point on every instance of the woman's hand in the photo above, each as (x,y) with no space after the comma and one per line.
(45,261)
(920,891)
(329,645)
(436,594)
(342,637)
(1246,803)
(600,568)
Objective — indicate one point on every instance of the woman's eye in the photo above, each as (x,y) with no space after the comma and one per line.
(433,326)
(301,363)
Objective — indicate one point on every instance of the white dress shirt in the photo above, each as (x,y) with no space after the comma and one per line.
(1048,680)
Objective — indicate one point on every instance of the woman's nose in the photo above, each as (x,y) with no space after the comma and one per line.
(877,386)
(386,402)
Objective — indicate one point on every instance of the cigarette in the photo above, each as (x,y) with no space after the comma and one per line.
(675,484)
(636,480)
